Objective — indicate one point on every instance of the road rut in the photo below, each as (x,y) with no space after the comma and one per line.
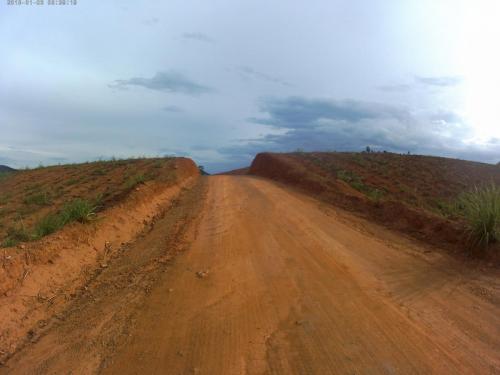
(274,282)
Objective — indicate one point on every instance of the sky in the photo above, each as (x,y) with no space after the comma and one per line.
(220,81)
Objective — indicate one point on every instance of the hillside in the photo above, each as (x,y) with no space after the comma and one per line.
(30,198)
(4,168)
(410,193)
(61,225)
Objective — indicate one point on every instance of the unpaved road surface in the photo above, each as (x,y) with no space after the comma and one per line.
(268,281)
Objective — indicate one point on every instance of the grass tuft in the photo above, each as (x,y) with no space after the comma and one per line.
(79,210)
(356,182)
(16,235)
(481,208)
(47,225)
(133,181)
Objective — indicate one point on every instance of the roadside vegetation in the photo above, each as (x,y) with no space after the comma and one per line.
(357,183)
(79,210)
(478,207)
(37,202)
(135,180)
(481,209)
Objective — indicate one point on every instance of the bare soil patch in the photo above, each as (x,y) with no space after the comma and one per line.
(38,278)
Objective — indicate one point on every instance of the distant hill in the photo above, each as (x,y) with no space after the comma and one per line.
(4,168)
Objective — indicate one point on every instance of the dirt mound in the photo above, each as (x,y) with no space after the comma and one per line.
(412,194)
(237,172)
(29,198)
(41,276)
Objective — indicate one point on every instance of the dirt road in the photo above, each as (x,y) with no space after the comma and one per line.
(273,282)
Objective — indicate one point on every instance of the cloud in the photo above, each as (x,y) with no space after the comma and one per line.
(395,88)
(445,81)
(350,125)
(151,21)
(200,37)
(442,82)
(299,112)
(172,108)
(170,81)
(494,141)
(443,116)
(248,72)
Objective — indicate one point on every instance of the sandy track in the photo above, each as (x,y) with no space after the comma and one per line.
(273,282)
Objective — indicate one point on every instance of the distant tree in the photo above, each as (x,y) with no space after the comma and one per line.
(203,172)
(368,149)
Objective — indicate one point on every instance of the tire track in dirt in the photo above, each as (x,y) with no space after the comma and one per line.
(293,289)
(82,338)
(274,282)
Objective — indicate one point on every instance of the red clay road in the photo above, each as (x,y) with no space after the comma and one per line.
(274,282)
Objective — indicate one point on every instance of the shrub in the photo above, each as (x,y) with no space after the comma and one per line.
(481,208)
(49,224)
(347,176)
(357,183)
(78,210)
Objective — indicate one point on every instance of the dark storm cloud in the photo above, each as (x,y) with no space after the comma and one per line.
(319,124)
(445,81)
(248,72)
(352,125)
(170,81)
(299,112)
(200,37)
(336,137)
(344,140)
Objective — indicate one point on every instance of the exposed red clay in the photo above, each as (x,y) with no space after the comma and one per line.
(272,281)
(37,279)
